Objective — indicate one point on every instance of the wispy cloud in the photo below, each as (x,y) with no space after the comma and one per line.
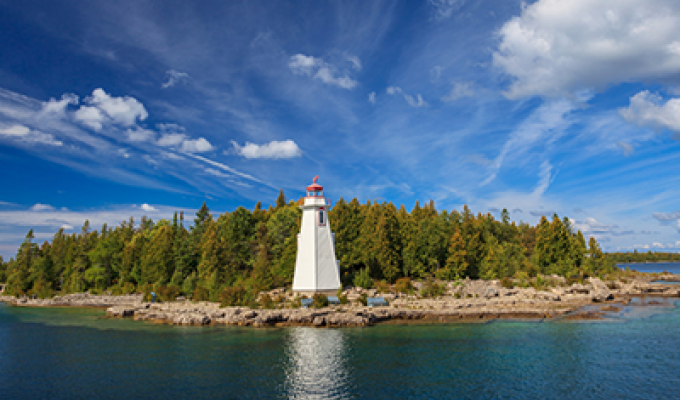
(301,64)
(173,77)
(416,101)
(459,91)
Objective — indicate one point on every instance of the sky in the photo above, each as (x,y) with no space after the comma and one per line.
(129,108)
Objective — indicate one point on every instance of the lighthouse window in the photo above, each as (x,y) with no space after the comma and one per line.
(321,217)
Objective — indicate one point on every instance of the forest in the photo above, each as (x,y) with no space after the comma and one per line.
(648,256)
(237,254)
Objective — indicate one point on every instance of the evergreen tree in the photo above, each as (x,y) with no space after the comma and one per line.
(18,275)
(456,263)
(387,245)
(493,264)
(281,200)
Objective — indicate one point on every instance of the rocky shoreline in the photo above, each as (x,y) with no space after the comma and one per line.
(467,301)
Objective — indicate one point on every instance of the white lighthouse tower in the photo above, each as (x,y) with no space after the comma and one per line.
(316,269)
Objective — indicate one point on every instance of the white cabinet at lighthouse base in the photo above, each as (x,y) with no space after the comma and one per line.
(316,267)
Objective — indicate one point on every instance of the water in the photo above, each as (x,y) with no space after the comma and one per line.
(672,267)
(74,354)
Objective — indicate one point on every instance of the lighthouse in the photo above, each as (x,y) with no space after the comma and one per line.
(316,269)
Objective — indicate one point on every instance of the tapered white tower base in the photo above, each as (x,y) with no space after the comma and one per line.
(316,268)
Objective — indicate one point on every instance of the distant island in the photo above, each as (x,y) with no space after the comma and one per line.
(233,257)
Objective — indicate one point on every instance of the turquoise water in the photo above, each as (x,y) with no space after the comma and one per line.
(74,354)
(672,267)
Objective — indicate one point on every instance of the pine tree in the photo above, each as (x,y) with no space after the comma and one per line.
(281,200)
(158,263)
(493,264)
(387,245)
(456,263)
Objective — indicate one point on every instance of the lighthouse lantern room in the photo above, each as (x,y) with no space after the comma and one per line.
(316,268)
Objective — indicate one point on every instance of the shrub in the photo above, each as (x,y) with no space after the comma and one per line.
(201,294)
(382,286)
(404,285)
(233,296)
(363,299)
(343,299)
(539,283)
(362,279)
(507,283)
(574,279)
(432,289)
(167,293)
(457,295)
(267,302)
(319,301)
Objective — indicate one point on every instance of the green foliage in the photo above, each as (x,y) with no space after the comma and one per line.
(507,283)
(382,286)
(268,303)
(319,301)
(432,289)
(404,285)
(234,296)
(363,279)
(201,294)
(253,251)
(363,299)
(167,293)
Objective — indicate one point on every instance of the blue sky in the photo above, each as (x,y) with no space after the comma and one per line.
(118,109)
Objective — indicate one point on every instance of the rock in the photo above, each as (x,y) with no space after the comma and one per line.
(249,314)
(600,291)
(548,296)
(120,311)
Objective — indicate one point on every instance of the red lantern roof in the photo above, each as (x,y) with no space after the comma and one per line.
(314,187)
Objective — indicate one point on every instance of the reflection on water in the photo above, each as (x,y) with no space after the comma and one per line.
(316,366)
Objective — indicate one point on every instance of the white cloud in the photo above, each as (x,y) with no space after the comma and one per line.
(590,226)
(171,139)
(413,102)
(103,109)
(66,227)
(274,149)
(460,90)
(301,64)
(648,109)
(92,117)
(392,90)
(199,145)
(41,207)
(371,98)
(627,148)
(173,78)
(556,47)
(545,179)
(28,135)
(356,63)
(139,134)
(445,8)
(664,217)
(148,208)
(59,107)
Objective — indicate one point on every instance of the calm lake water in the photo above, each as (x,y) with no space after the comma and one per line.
(75,354)
(673,267)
